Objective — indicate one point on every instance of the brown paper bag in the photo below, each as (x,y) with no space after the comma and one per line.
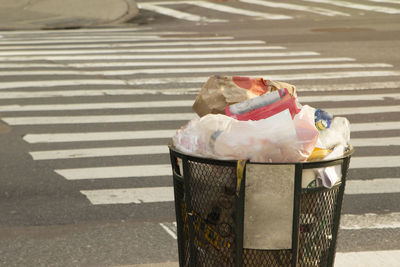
(219,92)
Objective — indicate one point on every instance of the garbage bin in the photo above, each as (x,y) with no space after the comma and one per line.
(210,207)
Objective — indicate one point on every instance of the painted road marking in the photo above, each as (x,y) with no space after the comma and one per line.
(208,62)
(94,106)
(386,10)
(139,171)
(192,90)
(233,10)
(103,64)
(98,92)
(153,134)
(381,141)
(129,195)
(137,50)
(110,39)
(351,86)
(160,56)
(311,9)
(388,258)
(102,36)
(374,186)
(375,126)
(141,44)
(53,83)
(342,98)
(308,76)
(375,162)
(98,119)
(386,1)
(145,150)
(99,152)
(170,228)
(277,77)
(165,170)
(240,69)
(370,221)
(348,222)
(97,136)
(363,110)
(176,13)
(79,119)
(105,30)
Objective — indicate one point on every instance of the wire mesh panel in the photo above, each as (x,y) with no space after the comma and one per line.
(254,257)
(210,217)
(212,191)
(317,210)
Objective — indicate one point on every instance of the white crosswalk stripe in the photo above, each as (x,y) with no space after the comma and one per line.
(99,152)
(126,45)
(232,10)
(77,120)
(386,10)
(97,136)
(115,172)
(159,56)
(385,1)
(189,103)
(136,50)
(98,119)
(159,8)
(177,14)
(243,69)
(80,119)
(145,150)
(111,39)
(286,77)
(103,64)
(251,9)
(316,10)
(134,135)
(121,92)
(130,195)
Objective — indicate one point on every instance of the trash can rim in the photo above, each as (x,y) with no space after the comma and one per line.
(348,153)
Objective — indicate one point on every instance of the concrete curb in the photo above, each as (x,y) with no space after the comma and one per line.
(56,14)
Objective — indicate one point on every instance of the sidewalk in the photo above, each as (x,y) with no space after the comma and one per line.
(52,14)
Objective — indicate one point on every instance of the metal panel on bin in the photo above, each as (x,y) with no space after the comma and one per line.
(268,208)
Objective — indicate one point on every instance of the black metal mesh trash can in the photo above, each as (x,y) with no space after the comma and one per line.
(209,203)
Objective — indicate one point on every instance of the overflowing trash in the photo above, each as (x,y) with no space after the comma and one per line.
(243,118)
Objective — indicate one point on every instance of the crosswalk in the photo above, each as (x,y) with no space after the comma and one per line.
(82,91)
(267,10)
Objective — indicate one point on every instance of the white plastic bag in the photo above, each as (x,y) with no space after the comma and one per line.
(264,140)
(275,139)
(338,133)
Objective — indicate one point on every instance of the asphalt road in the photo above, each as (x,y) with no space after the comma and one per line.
(86,116)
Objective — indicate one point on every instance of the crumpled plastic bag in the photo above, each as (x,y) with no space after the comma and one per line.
(338,133)
(275,139)
(307,134)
